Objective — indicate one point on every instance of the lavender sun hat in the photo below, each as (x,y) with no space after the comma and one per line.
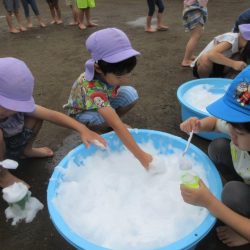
(16,85)
(244,29)
(110,45)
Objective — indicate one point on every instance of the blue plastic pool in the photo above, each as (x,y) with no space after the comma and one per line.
(161,142)
(217,86)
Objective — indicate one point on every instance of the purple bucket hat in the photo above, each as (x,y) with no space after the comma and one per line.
(110,45)
(244,29)
(16,85)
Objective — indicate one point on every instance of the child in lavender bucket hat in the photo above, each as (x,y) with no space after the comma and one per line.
(21,119)
(100,96)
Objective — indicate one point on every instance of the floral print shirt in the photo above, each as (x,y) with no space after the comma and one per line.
(89,95)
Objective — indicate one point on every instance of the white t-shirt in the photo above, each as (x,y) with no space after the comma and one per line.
(241,159)
(230,37)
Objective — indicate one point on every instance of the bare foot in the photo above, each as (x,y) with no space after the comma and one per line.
(193,57)
(150,30)
(186,63)
(230,237)
(29,25)
(59,21)
(14,31)
(162,28)
(81,26)
(72,23)
(22,28)
(43,25)
(38,152)
(53,22)
(91,25)
(7,179)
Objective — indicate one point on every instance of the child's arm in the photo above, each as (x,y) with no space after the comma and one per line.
(121,130)
(203,197)
(216,56)
(61,119)
(193,123)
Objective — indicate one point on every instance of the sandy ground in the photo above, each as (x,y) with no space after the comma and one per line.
(56,56)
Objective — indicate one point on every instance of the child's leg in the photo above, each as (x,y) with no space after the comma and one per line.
(19,20)
(88,20)
(235,195)
(191,45)
(26,12)
(29,151)
(58,12)
(75,15)
(6,178)
(151,10)
(9,20)
(52,12)
(36,12)
(125,100)
(160,25)
(81,17)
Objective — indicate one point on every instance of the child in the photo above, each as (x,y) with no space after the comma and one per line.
(21,119)
(229,51)
(151,10)
(12,7)
(33,5)
(71,4)
(194,19)
(84,10)
(231,157)
(96,98)
(55,11)
(243,18)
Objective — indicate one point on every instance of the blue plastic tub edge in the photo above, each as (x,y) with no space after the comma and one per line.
(187,110)
(185,243)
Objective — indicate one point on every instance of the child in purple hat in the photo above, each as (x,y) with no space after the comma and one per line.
(21,119)
(226,52)
(100,95)
(232,158)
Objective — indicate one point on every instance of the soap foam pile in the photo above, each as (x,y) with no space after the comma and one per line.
(200,96)
(21,205)
(113,202)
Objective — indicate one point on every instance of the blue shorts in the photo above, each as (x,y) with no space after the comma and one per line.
(11,5)
(16,143)
(126,96)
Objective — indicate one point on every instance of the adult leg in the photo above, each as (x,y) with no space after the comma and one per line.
(192,43)
(6,178)
(160,25)
(29,151)
(151,10)
(235,195)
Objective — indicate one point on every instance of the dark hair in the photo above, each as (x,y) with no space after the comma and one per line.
(120,68)
(244,126)
(245,54)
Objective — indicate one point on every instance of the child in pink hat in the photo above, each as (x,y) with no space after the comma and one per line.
(100,95)
(21,119)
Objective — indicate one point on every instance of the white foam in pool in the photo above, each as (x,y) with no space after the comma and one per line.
(200,96)
(113,202)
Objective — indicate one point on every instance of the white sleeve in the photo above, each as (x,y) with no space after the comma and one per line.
(222,126)
(229,37)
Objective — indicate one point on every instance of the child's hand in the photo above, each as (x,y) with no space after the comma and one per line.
(239,65)
(145,159)
(89,137)
(198,197)
(190,124)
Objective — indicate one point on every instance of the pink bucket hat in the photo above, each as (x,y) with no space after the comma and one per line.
(110,45)
(16,85)
(245,31)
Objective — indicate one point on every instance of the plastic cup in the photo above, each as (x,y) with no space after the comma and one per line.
(190,180)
